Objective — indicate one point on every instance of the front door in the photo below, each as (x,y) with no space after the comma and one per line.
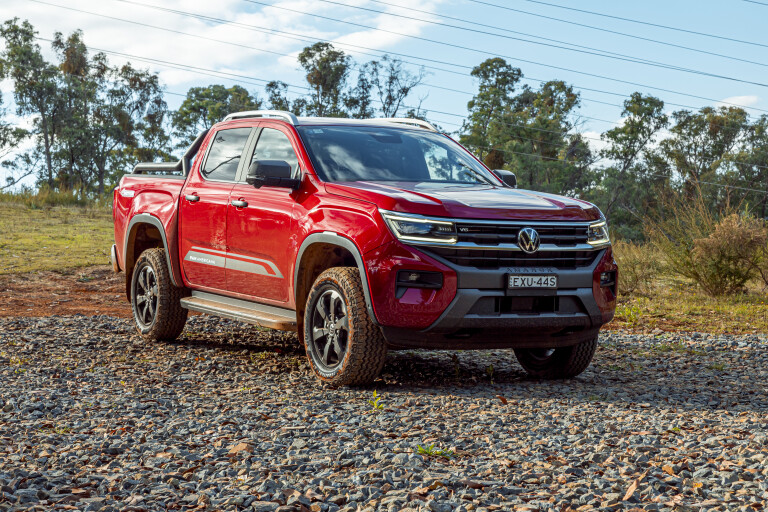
(204,202)
(259,228)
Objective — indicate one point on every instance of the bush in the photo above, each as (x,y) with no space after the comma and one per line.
(638,267)
(729,257)
(720,255)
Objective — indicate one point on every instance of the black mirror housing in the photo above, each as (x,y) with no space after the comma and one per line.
(506,177)
(271,173)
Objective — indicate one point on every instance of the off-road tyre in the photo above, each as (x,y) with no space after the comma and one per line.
(168,319)
(365,348)
(558,363)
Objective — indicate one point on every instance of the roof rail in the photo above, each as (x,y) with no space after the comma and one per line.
(409,120)
(287,116)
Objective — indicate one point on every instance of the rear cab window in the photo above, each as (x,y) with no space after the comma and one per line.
(223,157)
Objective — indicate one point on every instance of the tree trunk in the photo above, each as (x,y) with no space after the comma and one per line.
(47,144)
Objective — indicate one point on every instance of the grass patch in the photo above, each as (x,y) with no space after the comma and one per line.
(674,305)
(53,238)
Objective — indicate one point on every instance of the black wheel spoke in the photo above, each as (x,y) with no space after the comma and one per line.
(337,349)
(321,309)
(319,333)
(341,324)
(334,301)
(327,353)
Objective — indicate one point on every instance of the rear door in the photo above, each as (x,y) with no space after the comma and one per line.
(204,201)
(259,225)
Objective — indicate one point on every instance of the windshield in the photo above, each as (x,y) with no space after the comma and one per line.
(365,153)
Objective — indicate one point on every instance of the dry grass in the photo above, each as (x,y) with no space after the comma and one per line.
(53,238)
(682,306)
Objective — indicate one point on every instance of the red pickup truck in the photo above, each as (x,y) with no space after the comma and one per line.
(362,236)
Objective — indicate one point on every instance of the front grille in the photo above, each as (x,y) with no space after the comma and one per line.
(496,259)
(495,234)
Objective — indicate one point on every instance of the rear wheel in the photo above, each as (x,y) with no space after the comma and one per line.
(343,344)
(155,301)
(557,363)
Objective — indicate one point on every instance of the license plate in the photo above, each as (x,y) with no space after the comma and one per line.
(532,281)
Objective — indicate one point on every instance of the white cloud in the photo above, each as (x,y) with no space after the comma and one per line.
(595,143)
(744,101)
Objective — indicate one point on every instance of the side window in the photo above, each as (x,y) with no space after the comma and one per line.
(275,145)
(224,155)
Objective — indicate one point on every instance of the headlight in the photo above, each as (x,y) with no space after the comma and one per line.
(414,228)
(597,234)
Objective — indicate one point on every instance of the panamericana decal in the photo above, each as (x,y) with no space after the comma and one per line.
(231,261)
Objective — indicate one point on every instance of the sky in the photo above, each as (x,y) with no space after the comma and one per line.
(448,37)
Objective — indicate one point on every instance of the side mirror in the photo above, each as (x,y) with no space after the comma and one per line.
(506,177)
(271,173)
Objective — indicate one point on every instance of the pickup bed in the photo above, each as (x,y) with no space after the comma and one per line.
(363,236)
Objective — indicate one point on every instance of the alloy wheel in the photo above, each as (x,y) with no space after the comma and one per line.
(146,294)
(330,329)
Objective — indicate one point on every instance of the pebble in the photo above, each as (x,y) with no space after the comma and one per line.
(229,417)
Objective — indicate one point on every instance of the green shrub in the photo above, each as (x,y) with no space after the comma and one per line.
(720,254)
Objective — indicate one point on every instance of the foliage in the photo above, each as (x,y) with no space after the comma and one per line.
(718,252)
(90,119)
(375,402)
(638,267)
(327,72)
(392,83)
(205,106)
(431,451)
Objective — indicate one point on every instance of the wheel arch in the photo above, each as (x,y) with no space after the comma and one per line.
(144,232)
(319,252)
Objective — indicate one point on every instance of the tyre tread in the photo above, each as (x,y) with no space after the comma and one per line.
(171,317)
(368,350)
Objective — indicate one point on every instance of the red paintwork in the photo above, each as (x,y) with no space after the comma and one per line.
(276,229)
(418,308)
(606,299)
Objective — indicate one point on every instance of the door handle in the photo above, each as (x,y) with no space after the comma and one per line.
(192,197)
(240,203)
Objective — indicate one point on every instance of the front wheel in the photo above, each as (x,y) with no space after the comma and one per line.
(344,346)
(557,363)
(155,301)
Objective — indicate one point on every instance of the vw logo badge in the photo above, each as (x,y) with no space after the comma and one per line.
(528,240)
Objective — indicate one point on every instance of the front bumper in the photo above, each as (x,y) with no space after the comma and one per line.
(485,314)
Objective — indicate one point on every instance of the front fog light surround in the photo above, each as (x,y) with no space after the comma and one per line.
(417,279)
(597,234)
(414,228)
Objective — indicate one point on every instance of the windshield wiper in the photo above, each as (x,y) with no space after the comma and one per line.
(476,173)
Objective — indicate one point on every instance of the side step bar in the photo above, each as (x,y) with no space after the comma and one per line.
(242,310)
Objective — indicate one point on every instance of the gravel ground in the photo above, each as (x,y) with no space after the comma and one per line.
(229,418)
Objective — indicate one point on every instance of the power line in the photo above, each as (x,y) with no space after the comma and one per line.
(474,29)
(188,69)
(542,157)
(756,2)
(209,72)
(703,34)
(467,48)
(299,37)
(251,81)
(602,29)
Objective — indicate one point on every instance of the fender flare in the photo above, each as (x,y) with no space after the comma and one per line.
(332,238)
(145,218)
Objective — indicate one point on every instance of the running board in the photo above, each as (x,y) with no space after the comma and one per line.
(242,310)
